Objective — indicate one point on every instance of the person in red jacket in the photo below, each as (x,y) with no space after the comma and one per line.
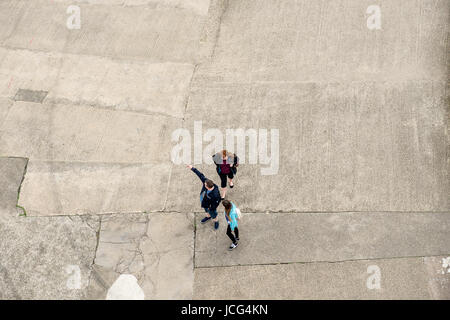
(226,167)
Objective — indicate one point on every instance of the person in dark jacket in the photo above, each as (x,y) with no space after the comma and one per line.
(226,167)
(209,198)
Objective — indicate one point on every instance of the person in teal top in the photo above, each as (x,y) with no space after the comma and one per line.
(232,219)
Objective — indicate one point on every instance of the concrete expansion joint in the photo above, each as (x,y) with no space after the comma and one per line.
(320,261)
(61,54)
(171,212)
(98,106)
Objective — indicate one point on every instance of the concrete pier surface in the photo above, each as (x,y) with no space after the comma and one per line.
(352,201)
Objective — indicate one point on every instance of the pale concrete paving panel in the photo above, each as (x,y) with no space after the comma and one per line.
(156,248)
(312,237)
(24,69)
(46,257)
(12,172)
(118,252)
(5,105)
(400,278)
(170,250)
(305,40)
(157,34)
(159,88)
(138,86)
(197,6)
(343,147)
(81,133)
(68,188)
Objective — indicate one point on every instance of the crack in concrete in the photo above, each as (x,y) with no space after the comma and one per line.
(141,254)
(195,241)
(98,240)
(85,219)
(223,7)
(138,252)
(93,272)
(20,187)
(186,102)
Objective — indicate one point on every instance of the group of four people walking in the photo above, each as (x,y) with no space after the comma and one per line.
(211,196)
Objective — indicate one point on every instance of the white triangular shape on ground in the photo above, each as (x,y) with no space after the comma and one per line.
(125,288)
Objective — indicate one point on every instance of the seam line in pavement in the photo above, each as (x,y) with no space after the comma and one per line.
(319,261)
(244,212)
(57,103)
(129,59)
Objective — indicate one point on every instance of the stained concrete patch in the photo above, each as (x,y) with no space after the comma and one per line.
(30,95)
(46,258)
(313,237)
(12,172)
(157,249)
(57,188)
(402,278)
(82,133)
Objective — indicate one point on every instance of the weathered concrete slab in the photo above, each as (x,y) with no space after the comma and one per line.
(156,33)
(315,41)
(197,6)
(343,147)
(316,237)
(138,86)
(81,133)
(12,171)
(438,269)
(118,252)
(27,69)
(46,258)
(156,248)
(5,105)
(402,278)
(363,127)
(170,249)
(57,188)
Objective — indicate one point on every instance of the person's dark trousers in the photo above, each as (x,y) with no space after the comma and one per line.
(230,234)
